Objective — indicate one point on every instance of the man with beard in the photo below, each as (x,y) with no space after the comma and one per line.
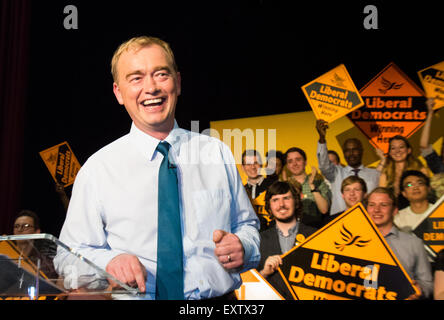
(283,202)
(353,151)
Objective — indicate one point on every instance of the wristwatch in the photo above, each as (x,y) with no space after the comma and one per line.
(314,190)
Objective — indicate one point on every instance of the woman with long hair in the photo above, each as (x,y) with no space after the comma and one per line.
(399,159)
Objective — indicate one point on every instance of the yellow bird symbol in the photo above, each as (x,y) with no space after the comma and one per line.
(349,240)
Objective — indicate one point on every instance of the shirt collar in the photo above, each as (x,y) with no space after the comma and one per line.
(291,231)
(259,182)
(350,169)
(393,231)
(148,144)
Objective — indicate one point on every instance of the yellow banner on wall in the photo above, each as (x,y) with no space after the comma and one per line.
(298,129)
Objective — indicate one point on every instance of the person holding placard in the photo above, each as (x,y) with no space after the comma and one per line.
(353,151)
(434,161)
(283,202)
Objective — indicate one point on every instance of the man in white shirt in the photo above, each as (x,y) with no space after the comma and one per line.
(256,182)
(415,187)
(257,185)
(353,151)
(113,214)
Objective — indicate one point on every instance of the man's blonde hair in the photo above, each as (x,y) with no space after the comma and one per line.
(136,44)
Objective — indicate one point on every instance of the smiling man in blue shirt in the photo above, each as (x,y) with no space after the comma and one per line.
(113,213)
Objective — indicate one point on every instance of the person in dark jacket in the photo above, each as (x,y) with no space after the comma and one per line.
(283,202)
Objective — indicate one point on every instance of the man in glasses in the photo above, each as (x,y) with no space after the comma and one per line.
(415,187)
(26,222)
(257,185)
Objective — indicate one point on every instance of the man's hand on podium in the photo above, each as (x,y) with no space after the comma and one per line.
(128,269)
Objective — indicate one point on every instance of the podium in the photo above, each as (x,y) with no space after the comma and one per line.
(41,267)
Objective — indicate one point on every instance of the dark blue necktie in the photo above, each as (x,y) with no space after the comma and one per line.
(356,171)
(169,278)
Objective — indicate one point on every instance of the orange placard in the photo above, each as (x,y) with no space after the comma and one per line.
(432,79)
(332,95)
(61,163)
(394,105)
(346,259)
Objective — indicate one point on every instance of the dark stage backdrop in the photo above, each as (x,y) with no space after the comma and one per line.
(14,55)
(237,59)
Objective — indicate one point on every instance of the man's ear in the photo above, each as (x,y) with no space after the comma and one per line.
(404,193)
(117,93)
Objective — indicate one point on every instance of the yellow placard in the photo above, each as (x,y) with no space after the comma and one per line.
(61,163)
(259,206)
(255,287)
(346,259)
(332,95)
(432,80)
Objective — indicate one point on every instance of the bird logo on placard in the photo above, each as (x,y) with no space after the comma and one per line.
(337,80)
(52,159)
(388,85)
(350,240)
